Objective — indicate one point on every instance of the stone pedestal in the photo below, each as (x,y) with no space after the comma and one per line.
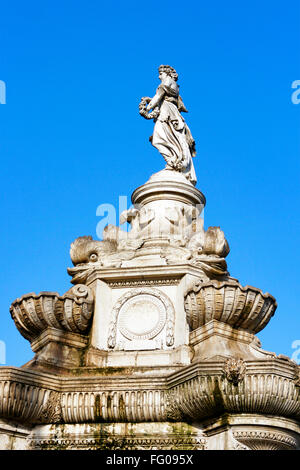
(154,347)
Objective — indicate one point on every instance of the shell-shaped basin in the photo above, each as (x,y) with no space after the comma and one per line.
(33,313)
(246,307)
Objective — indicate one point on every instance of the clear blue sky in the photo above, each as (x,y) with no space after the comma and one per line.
(71,137)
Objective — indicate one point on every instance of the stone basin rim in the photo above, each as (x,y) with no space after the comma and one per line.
(220,284)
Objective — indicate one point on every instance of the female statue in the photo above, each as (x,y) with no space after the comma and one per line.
(171,135)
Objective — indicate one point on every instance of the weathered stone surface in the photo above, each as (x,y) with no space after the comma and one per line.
(166,229)
(58,348)
(117,436)
(231,432)
(14,436)
(196,392)
(228,302)
(33,313)
(251,432)
(215,340)
(154,347)
(235,369)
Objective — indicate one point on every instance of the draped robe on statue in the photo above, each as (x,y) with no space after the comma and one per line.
(171,136)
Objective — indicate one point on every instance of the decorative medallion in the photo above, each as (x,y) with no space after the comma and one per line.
(142,317)
(141,314)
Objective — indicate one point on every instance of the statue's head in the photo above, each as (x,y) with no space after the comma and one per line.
(168,70)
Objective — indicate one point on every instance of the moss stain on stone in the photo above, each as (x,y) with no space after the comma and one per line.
(122,409)
(98,414)
(103,371)
(217,394)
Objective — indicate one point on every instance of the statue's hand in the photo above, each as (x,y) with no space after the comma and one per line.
(145,106)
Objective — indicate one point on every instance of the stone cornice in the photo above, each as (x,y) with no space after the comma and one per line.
(135,377)
(174,272)
(195,392)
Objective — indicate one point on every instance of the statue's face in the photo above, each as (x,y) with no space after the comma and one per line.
(162,76)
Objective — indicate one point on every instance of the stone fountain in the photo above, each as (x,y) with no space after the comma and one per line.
(154,346)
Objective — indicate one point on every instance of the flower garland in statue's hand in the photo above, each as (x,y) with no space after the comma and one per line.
(143,111)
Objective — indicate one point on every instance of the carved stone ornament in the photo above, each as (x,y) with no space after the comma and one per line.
(265,440)
(51,411)
(194,393)
(228,302)
(234,370)
(152,305)
(123,443)
(33,313)
(172,411)
(236,445)
(186,241)
(143,283)
(141,317)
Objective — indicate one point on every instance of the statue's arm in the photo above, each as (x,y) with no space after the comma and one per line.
(156,99)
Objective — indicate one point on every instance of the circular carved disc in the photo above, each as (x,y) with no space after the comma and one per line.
(142,317)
